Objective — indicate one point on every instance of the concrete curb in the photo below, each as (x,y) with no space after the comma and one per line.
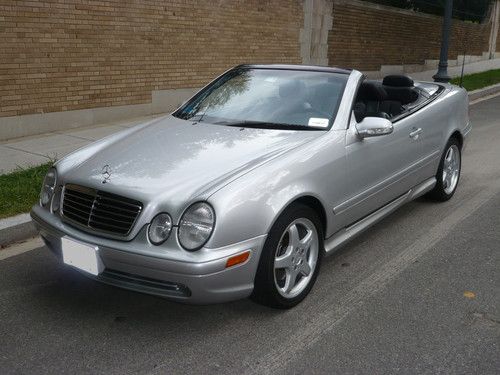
(16,228)
(487,91)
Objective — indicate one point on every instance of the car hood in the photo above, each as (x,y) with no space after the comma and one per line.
(173,160)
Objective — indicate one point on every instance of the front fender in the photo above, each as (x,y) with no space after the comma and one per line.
(249,206)
(256,216)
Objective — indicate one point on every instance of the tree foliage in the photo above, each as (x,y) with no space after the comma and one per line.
(467,10)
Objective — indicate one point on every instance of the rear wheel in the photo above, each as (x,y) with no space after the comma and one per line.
(448,172)
(290,259)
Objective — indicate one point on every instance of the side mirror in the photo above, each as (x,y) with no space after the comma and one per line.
(373,127)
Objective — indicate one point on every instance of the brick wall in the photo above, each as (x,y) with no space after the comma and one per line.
(366,36)
(75,54)
(62,55)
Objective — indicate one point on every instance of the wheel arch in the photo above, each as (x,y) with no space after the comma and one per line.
(456,134)
(308,200)
(317,206)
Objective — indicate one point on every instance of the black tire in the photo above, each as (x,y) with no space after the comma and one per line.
(439,193)
(265,289)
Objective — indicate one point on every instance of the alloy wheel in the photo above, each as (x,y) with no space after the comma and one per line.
(451,169)
(296,257)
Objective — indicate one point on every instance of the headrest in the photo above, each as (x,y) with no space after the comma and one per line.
(372,91)
(291,88)
(397,80)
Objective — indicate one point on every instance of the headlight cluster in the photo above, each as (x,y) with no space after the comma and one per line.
(195,227)
(48,187)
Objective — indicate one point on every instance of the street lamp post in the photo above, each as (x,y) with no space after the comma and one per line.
(442,73)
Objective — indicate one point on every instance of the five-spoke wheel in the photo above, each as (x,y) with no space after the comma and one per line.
(296,257)
(448,173)
(451,169)
(290,259)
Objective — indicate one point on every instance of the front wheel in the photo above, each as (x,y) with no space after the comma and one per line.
(448,172)
(290,259)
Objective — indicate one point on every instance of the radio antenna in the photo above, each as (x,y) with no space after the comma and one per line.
(462,73)
(463,59)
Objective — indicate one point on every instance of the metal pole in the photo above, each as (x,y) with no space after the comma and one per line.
(442,73)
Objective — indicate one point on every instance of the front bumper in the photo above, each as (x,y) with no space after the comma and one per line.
(200,278)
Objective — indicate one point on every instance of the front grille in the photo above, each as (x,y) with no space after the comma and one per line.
(99,210)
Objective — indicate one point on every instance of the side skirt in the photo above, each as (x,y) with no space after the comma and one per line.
(346,234)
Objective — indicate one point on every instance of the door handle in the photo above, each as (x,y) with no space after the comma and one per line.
(415,133)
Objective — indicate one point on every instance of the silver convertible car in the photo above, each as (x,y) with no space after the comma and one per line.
(248,185)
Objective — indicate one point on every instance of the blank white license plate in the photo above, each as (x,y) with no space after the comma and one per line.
(82,256)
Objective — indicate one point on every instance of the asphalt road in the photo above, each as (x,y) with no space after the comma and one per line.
(417,293)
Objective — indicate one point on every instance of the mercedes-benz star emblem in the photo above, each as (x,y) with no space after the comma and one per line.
(106,173)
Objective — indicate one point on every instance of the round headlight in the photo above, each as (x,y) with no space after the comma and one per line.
(48,187)
(160,228)
(196,226)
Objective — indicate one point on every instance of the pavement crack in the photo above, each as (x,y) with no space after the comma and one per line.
(486,317)
(28,152)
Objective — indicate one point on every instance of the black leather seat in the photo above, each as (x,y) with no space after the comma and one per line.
(373,101)
(400,88)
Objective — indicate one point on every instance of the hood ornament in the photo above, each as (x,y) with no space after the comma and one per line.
(106,173)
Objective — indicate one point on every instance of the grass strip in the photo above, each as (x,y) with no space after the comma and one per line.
(479,80)
(20,189)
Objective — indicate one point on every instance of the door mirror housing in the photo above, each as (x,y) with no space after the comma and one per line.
(373,127)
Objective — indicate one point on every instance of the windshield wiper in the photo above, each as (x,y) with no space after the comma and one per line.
(267,125)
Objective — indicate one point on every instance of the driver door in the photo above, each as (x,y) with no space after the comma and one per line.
(380,169)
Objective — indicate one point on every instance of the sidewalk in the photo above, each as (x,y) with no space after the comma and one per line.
(38,149)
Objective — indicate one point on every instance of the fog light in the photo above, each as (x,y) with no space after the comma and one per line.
(160,228)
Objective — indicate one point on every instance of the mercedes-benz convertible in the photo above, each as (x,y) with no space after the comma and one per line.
(248,185)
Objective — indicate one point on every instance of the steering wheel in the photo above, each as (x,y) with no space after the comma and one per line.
(317,113)
(383,115)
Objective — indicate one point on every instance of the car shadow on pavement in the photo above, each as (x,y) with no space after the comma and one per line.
(71,293)
(61,315)
(63,293)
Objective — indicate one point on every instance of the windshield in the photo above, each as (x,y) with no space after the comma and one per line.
(269,98)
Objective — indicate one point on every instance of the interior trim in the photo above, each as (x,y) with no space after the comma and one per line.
(420,106)
(404,114)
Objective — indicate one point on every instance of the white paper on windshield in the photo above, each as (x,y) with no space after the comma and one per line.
(318,122)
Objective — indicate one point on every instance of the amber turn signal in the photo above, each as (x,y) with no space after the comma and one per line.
(237,259)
